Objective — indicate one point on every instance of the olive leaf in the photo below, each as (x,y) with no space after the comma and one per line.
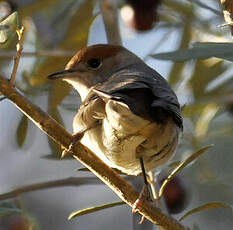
(94,209)
(8,29)
(199,50)
(7,208)
(181,166)
(22,129)
(207,206)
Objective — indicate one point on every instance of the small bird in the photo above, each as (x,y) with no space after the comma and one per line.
(129,115)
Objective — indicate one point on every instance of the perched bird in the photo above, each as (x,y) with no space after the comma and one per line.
(129,115)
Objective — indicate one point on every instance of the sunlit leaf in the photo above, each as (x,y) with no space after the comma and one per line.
(199,50)
(57,93)
(22,129)
(181,166)
(193,109)
(8,29)
(174,164)
(204,120)
(94,209)
(36,6)
(204,207)
(177,68)
(205,71)
(75,38)
(7,208)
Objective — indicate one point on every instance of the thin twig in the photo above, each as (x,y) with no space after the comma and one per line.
(71,181)
(40,53)
(154,185)
(2,98)
(19,48)
(204,6)
(228,13)
(124,190)
(110,17)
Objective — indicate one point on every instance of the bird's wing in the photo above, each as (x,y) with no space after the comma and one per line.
(146,93)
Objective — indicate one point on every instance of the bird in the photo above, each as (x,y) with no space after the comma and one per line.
(129,116)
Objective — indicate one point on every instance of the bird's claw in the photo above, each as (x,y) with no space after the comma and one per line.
(75,138)
(144,196)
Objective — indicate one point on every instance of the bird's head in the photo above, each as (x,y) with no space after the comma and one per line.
(94,64)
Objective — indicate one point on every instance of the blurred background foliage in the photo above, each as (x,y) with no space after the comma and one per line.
(199,69)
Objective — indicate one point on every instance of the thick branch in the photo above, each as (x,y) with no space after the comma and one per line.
(125,191)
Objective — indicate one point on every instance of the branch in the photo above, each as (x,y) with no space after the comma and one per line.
(204,6)
(41,53)
(19,49)
(52,128)
(110,17)
(71,181)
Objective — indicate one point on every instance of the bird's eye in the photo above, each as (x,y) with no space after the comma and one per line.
(94,63)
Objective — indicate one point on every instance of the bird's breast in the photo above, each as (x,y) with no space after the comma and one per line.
(121,137)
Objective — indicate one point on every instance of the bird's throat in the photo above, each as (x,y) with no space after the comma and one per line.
(81,88)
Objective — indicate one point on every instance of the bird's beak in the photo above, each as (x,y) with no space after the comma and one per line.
(59,74)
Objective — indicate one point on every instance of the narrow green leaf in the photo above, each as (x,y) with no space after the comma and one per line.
(199,50)
(177,68)
(55,148)
(8,30)
(83,170)
(22,129)
(207,206)
(94,209)
(204,119)
(173,164)
(181,166)
(7,208)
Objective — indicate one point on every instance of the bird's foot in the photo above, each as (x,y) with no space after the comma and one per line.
(144,196)
(75,138)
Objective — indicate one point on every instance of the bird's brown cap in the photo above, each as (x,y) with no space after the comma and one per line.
(100,51)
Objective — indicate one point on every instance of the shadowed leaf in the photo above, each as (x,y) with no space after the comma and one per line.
(204,207)
(8,29)
(36,6)
(181,166)
(83,170)
(7,208)
(55,148)
(54,157)
(177,68)
(75,38)
(22,129)
(199,50)
(94,209)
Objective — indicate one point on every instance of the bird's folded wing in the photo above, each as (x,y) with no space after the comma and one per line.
(147,95)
